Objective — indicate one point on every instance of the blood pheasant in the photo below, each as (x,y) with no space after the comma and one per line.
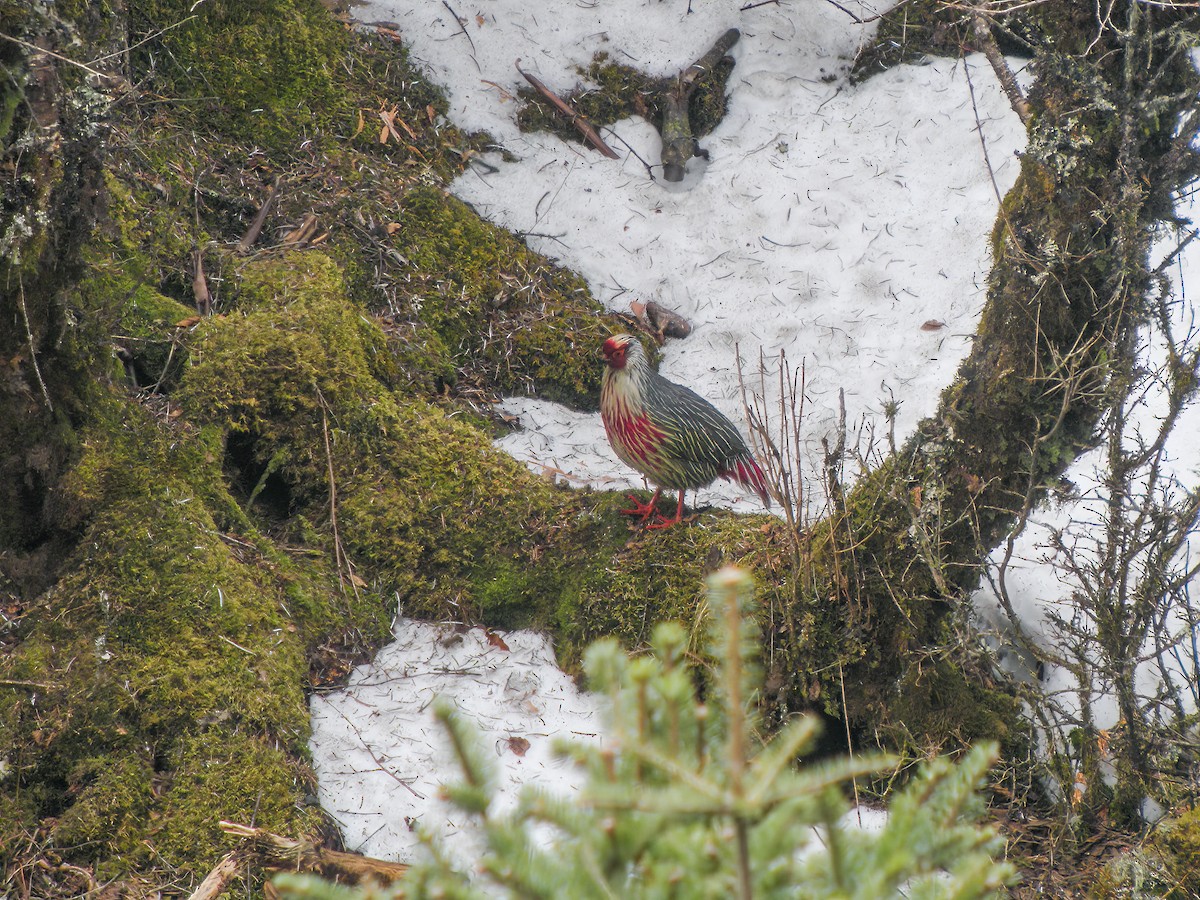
(674,437)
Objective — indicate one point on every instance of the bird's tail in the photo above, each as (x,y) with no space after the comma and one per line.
(745,470)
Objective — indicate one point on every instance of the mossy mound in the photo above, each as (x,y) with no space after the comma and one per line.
(301,382)
(264,67)
(508,316)
(165,627)
(364,171)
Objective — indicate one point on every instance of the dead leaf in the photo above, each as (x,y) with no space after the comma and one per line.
(495,640)
(933,325)
(412,134)
(393,227)
(362,123)
(916,496)
(518,745)
(389,126)
(188,322)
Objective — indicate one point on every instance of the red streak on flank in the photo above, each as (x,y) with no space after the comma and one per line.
(639,435)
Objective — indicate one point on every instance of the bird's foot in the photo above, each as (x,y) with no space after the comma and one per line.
(663,522)
(643,510)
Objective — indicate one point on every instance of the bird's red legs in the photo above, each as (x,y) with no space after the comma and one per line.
(667,523)
(645,510)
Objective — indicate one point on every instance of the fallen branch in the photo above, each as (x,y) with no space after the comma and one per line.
(709,60)
(679,143)
(575,118)
(273,851)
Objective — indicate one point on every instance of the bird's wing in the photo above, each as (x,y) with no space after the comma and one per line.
(695,430)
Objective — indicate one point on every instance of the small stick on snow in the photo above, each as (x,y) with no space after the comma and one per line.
(576,119)
(463,28)
(858,20)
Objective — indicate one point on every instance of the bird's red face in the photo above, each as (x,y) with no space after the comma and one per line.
(616,350)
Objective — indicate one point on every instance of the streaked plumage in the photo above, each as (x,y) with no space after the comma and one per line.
(670,434)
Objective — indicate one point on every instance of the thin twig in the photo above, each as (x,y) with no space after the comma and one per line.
(37,370)
(463,28)
(37,49)
(150,37)
(987,159)
(339,553)
(858,20)
(849,740)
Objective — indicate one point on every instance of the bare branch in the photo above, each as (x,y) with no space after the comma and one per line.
(1008,81)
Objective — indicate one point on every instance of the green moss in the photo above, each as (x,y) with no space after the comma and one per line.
(1177,844)
(113,799)
(165,626)
(502,312)
(262,66)
(236,777)
(941,699)
(909,33)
